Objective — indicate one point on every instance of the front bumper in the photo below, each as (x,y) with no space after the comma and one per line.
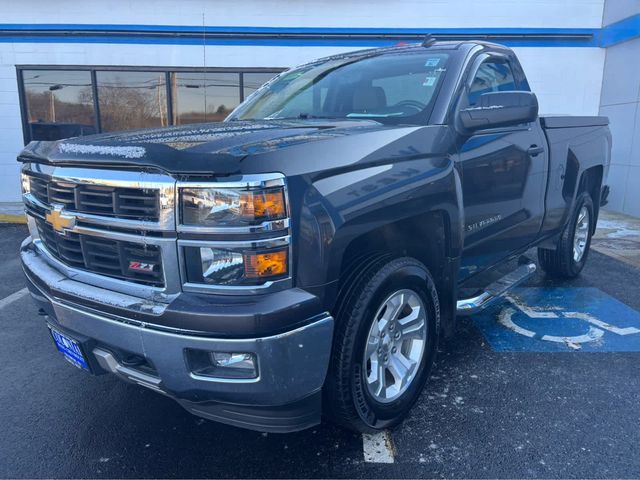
(292,365)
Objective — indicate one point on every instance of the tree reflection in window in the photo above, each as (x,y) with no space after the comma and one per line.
(204,97)
(130,100)
(59,103)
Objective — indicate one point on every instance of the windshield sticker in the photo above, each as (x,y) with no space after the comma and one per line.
(374,115)
(432,62)
(429,82)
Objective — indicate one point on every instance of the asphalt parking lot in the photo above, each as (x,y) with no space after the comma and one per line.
(501,403)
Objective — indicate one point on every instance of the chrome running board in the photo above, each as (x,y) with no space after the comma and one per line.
(496,290)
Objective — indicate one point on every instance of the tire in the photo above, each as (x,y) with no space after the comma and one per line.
(350,396)
(563,262)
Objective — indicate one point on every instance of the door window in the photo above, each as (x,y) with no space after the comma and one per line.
(492,76)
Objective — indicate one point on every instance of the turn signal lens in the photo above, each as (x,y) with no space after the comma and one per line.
(266,264)
(264,205)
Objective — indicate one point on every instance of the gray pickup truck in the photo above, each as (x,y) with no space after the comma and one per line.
(304,257)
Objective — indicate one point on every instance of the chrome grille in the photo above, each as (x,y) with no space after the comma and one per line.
(104,256)
(128,203)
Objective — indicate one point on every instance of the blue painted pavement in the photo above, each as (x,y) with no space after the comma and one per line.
(560,320)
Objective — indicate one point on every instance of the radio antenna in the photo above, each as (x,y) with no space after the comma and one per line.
(204,63)
(428,40)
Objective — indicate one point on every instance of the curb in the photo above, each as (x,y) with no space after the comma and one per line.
(15,219)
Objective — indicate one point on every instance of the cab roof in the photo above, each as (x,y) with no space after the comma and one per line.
(462,46)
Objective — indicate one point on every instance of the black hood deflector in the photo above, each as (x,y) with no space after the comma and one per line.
(192,149)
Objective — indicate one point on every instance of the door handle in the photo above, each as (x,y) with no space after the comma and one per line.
(535,150)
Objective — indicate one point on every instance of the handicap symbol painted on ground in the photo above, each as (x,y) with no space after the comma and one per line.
(560,320)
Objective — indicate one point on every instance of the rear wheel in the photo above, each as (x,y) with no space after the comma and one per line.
(385,343)
(572,250)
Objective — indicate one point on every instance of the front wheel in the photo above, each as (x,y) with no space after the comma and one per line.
(572,250)
(385,344)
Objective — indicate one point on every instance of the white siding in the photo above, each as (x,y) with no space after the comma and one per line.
(10,133)
(308,13)
(621,103)
(567,81)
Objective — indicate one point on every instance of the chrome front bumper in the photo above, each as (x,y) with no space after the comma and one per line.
(291,366)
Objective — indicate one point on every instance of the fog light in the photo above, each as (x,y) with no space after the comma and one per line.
(232,365)
(243,361)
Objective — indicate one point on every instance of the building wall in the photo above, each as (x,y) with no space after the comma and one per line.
(314,13)
(567,79)
(620,101)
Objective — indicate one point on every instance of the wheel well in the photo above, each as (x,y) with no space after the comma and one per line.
(425,237)
(591,182)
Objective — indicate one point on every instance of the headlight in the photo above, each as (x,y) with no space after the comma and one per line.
(235,266)
(228,234)
(231,207)
(26,183)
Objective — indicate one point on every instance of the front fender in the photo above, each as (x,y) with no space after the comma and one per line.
(343,207)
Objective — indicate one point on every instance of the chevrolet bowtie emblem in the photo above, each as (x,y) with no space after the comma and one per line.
(59,220)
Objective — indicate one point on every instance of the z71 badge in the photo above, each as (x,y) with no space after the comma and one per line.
(141,267)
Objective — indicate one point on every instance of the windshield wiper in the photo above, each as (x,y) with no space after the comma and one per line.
(302,116)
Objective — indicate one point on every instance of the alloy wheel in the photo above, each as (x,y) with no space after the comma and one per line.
(395,345)
(581,234)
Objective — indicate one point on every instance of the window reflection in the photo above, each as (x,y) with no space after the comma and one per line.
(253,81)
(204,97)
(130,100)
(59,103)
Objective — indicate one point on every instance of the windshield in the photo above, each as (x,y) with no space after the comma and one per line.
(390,88)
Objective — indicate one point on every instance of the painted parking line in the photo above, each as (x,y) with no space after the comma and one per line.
(378,447)
(560,320)
(13,297)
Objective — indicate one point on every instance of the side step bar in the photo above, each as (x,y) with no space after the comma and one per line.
(473,305)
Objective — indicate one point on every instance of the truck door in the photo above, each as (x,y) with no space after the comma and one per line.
(503,174)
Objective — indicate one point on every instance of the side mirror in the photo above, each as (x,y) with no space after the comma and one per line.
(499,109)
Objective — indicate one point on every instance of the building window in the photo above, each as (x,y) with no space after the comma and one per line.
(130,100)
(204,97)
(63,102)
(59,104)
(253,81)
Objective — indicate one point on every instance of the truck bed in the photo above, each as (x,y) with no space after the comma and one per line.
(576,144)
(566,121)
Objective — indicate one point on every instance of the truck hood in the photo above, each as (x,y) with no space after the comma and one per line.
(223,149)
